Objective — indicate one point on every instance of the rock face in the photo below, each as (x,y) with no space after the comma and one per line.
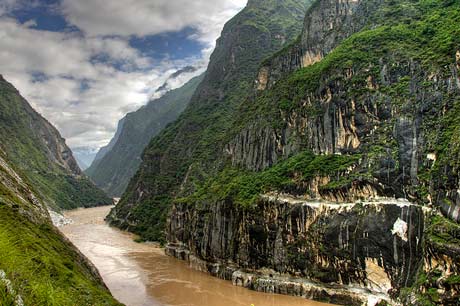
(363,105)
(117,163)
(326,25)
(398,140)
(374,246)
(254,34)
(36,148)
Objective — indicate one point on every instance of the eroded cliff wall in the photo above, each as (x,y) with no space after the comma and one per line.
(363,106)
(375,246)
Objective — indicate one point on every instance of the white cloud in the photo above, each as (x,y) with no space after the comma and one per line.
(147,17)
(85,115)
(84,82)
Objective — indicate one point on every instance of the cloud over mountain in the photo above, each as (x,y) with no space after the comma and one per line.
(76,62)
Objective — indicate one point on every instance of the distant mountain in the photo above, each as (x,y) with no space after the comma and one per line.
(84,156)
(117,163)
(37,150)
(104,150)
(167,84)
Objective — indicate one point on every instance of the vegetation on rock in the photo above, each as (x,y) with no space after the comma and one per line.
(195,140)
(37,150)
(117,166)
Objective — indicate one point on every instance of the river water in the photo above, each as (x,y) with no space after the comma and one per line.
(142,275)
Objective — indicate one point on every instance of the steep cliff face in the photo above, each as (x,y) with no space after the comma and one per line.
(386,97)
(117,163)
(195,141)
(37,149)
(326,25)
(371,114)
(393,105)
(374,246)
(38,266)
(360,253)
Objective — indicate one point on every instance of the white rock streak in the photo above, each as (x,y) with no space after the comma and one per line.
(10,290)
(400,229)
(58,219)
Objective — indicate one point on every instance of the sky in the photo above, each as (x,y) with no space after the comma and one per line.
(84,64)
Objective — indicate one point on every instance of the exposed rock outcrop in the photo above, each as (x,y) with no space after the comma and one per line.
(327,24)
(331,121)
(195,139)
(304,248)
(364,105)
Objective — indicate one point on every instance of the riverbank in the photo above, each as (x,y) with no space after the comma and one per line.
(142,275)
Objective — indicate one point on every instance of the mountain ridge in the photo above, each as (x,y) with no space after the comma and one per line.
(40,153)
(195,139)
(293,181)
(38,266)
(117,163)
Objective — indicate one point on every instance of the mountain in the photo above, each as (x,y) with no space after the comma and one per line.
(84,156)
(190,145)
(38,151)
(117,163)
(38,266)
(325,169)
(176,77)
(104,150)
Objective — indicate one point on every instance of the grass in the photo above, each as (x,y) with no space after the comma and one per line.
(244,187)
(31,145)
(43,267)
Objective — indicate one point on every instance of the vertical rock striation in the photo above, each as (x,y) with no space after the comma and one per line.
(363,106)
(375,247)
(326,25)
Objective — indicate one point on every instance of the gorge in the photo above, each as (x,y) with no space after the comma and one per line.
(301,175)
(317,158)
(142,275)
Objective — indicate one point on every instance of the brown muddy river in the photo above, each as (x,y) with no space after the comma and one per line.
(142,275)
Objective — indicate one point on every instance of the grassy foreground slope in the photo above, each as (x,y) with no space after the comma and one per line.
(38,266)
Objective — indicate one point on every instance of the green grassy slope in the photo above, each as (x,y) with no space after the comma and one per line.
(43,267)
(37,264)
(35,147)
